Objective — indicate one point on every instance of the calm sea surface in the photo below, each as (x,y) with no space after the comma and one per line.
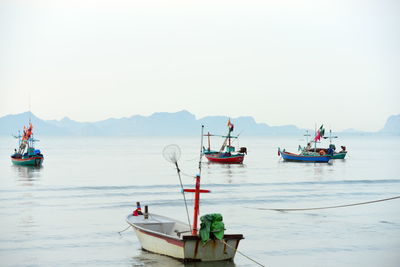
(69,211)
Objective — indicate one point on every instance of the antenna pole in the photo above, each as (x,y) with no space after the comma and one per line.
(201,147)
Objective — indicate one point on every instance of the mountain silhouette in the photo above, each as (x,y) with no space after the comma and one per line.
(181,123)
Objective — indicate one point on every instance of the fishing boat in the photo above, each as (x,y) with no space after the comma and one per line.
(27,155)
(308,154)
(335,155)
(227,153)
(341,154)
(183,241)
(287,156)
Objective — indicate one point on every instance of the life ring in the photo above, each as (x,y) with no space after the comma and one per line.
(322,152)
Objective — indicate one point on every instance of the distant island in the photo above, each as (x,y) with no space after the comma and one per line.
(182,123)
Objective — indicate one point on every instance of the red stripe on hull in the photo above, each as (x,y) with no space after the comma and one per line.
(14,159)
(175,242)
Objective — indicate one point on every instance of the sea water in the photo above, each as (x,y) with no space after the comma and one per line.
(69,211)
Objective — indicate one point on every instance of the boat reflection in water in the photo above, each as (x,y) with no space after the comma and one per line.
(155,260)
(28,173)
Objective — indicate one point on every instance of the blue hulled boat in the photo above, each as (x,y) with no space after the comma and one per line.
(287,156)
(306,154)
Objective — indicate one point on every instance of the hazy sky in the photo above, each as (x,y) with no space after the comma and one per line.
(281,61)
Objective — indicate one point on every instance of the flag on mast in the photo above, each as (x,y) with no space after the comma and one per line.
(320,133)
(230,125)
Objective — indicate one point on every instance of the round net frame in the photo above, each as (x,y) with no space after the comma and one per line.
(172,153)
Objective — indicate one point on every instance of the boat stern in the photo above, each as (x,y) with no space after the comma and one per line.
(213,250)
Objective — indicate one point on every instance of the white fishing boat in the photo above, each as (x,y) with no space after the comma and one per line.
(180,240)
(173,238)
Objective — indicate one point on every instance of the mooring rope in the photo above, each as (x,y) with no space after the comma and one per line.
(124,230)
(331,207)
(241,253)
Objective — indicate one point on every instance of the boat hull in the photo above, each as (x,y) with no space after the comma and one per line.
(339,155)
(287,156)
(220,158)
(32,161)
(336,155)
(153,238)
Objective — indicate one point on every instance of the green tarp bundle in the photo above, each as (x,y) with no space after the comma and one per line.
(211,226)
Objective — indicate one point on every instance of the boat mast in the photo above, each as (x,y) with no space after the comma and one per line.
(209,141)
(30,139)
(201,147)
(315,141)
(19,138)
(307,135)
(197,191)
(331,137)
(196,210)
(229,137)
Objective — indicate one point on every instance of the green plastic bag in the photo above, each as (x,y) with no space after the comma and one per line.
(211,226)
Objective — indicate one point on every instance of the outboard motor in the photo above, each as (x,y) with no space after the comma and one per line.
(243,150)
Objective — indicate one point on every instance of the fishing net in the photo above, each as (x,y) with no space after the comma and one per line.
(172,153)
(211,227)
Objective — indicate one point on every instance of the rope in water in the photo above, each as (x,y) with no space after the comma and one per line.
(124,230)
(331,207)
(241,253)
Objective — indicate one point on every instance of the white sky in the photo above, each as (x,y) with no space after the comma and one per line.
(281,61)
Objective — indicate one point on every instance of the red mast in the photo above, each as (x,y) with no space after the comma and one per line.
(196,192)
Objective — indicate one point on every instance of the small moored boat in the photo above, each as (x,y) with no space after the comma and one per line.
(227,153)
(167,236)
(183,241)
(330,150)
(307,154)
(27,155)
(287,156)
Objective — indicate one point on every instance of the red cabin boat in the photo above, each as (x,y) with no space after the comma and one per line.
(225,158)
(226,154)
